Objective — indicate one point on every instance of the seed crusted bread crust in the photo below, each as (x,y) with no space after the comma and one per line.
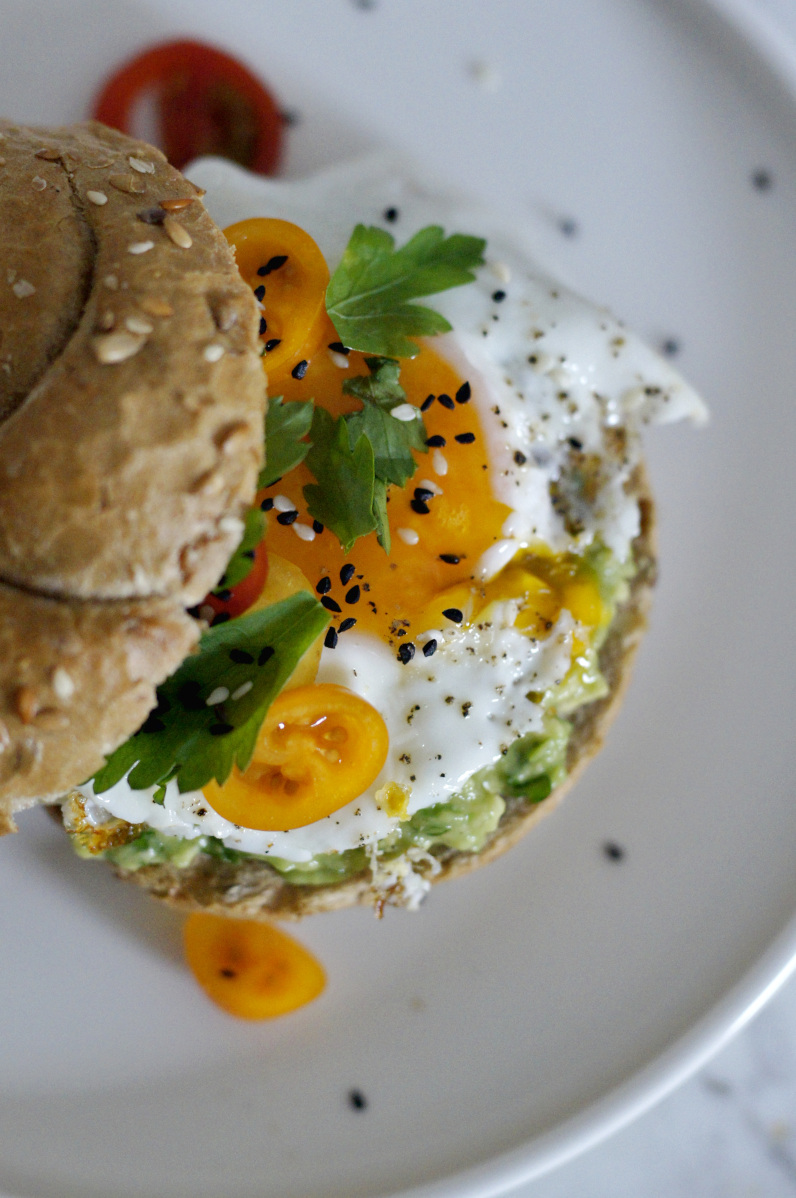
(132,400)
(250,889)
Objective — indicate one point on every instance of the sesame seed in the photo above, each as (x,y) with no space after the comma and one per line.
(304,532)
(454,614)
(177,233)
(446,402)
(265,655)
(436,442)
(501,271)
(406,652)
(391,215)
(283,504)
(272,264)
(110,348)
(241,656)
(39,184)
(427,402)
(263,326)
(430,486)
(219,695)
(300,369)
(464,393)
(287,517)
(450,559)
(220,729)
(440,464)
(408,536)
(324,585)
(141,165)
(498,296)
(337,347)
(138,324)
(347,573)
(140,247)
(575,443)
(331,604)
(430,648)
(520,458)
(22,289)
(339,360)
(353,595)
(404,412)
(242,690)
(418,506)
(330,640)
(97,197)
(423,494)
(63,684)
(272,344)
(128,184)
(221,618)
(259,292)
(266,505)
(317,527)
(613,851)
(177,204)
(465,438)
(347,623)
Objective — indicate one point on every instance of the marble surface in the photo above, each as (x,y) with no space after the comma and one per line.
(730,1131)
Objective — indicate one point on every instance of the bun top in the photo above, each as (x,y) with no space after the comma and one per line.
(132,399)
(131,390)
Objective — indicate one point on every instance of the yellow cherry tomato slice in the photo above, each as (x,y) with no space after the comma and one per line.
(320,747)
(288,273)
(252,970)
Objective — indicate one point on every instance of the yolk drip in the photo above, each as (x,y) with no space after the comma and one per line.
(433,552)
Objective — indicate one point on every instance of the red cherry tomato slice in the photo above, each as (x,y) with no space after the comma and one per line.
(206,103)
(247,592)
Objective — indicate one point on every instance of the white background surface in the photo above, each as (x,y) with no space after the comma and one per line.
(625,960)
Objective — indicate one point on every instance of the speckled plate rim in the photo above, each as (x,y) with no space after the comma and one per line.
(759,38)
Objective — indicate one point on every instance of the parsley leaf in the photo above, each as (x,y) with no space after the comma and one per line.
(392,440)
(285,426)
(369,295)
(186,739)
(342,499)
(242,559)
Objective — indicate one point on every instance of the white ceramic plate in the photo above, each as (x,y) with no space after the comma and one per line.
(528,1009)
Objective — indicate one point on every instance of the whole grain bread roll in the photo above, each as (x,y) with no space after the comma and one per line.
(132,400)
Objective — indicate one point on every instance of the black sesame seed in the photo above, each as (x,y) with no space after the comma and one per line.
(406,652)
(498,296)
(263,326)
(272,344)
(337,347)
(670,347)
(265,654)
(287,517)
(324,585)
(152,216)
(446,402)
(163,707)
(266,505)
(613,851)
(465,438)
(435,442)
(421,508)
(423,494)
(575,443)
(190,696)
(249,554)
(430,648)
(520,458)
(391,214)
(347,623)
(568,226)
(450,559)
(241,656)
(464,393)
(259,292)
(223,594)
(454,614)
(220,729)
(357,1100)
(330,641)
(347,573)
(272,264)
(317,527)
(300,369)
(330,604)
(427,402)
(152,724)
(352,596)
(221,618)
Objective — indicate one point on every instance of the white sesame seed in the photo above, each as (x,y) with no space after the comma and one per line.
(501,271)
(408,536)
(23,288)
(219,695)
(242,690)
(110,348)
(39,184)
(440,464)
(142,166)
(214,352)
(63,684)
(338,359)
(404,412)
(140,247)
(177,233)
(138,324)
(303,531)
(283,504)
(430,486)
(97,197)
